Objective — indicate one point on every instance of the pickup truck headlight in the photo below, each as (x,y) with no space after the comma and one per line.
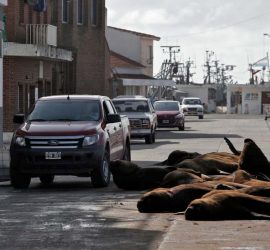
(146,123)
(90,140)
(20,141)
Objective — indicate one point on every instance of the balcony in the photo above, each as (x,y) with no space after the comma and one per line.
(41,34)
(41,42)
(46,52)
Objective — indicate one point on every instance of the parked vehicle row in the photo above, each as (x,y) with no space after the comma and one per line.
(80,134)
(145,118)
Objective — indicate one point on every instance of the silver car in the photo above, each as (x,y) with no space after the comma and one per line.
(141,114)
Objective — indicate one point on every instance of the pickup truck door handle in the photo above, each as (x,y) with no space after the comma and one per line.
(114,128)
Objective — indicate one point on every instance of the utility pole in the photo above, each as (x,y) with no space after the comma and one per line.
(188,73)
(207,65)
(172,50)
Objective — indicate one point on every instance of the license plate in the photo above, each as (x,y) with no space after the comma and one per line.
(165,121)
(52,155)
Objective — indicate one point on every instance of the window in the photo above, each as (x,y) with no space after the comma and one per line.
(65,11)
(109,107)
(131,106)
(94,10)
(66,110)
(27,95)
(80,11)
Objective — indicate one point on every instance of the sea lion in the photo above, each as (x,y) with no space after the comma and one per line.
(178,156)
(128,175)
(172,199)
(213,163)
(253,160)
(181,176)
(228,205)
(231,147)
(243,177)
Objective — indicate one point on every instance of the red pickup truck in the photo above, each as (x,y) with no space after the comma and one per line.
(68,135)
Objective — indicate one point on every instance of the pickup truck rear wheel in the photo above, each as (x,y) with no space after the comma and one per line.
(127,154)
(17,179)
(182,127)
(200,116)
(149,139)
(46,179)
(101,176)
(154,137)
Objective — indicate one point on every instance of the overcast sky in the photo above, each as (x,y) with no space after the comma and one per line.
(233,29)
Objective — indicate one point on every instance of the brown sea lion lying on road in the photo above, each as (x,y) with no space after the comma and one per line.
(172,199)
(128,175)
(243,177)
(178,156)
(212,163)
(228,205)
(181,176)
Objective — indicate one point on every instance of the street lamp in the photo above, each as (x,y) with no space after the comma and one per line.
(268,35)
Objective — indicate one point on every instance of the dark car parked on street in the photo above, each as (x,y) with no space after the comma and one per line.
(169,114)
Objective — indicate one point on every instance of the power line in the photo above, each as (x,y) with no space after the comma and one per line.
(221,27)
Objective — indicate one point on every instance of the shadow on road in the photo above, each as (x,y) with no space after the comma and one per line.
(164,137)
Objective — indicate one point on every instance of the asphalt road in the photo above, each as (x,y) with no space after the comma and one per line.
(70,214)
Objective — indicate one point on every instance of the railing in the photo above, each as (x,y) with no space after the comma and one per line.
(41,34)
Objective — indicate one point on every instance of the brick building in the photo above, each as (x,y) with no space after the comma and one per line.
(53,47)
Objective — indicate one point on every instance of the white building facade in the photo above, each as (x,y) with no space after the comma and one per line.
(248,99)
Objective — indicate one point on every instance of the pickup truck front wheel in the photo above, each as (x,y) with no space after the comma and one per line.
(101,176)
(17,179)
(127,154)
(149,139)
(46,179)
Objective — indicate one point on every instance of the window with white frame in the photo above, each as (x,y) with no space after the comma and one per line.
(94,12)
(80,11)
(65,11)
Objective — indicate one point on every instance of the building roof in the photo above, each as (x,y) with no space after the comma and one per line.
(136,33)
(117,60)
(133,76)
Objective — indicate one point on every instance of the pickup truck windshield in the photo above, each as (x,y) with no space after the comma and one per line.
(166,106)
(65,110)
(131,106)
(192,101)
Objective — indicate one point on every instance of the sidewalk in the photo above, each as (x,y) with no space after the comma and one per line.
(4,157)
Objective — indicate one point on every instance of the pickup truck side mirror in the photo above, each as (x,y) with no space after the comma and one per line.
(18,118)
(112,118)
